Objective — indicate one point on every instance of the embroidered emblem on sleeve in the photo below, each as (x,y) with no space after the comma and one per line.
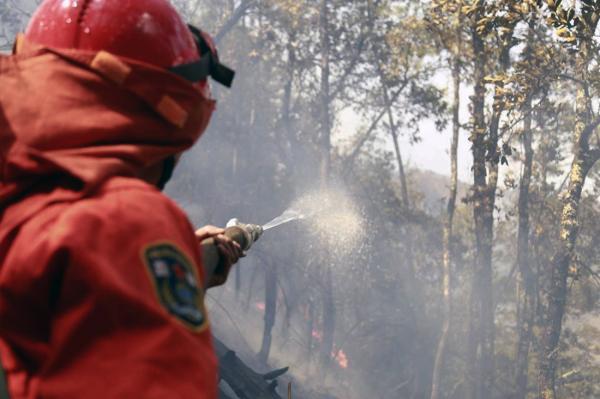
(177,285)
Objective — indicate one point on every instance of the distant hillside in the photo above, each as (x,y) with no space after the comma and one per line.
(433,189)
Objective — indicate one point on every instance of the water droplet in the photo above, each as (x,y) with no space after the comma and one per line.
(86,30)
(69,20)
(74,4)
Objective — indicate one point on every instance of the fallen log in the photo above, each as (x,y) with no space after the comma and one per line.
(245,382)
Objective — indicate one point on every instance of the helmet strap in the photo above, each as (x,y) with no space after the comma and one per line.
(167,171)
(207,65)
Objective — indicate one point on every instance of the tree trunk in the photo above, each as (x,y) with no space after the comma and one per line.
(486,161)
(447,229)
(476,370)
(329,315)
(310,328)
(556,296)
(394,134)
(270,311)
(526,279)
(411,285)
(325,136)
(291,143)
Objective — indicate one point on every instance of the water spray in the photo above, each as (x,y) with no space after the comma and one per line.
(322,209)
(288,216)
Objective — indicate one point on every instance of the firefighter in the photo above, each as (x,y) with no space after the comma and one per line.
(101,276)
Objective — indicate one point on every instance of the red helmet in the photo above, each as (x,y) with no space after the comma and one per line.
(150,31)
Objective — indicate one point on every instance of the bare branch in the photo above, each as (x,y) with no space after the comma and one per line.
(339,85)
(237,14)
(365,137)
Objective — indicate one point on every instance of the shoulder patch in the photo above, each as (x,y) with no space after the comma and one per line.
(176,282)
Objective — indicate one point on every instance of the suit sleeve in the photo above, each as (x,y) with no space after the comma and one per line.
(129,319)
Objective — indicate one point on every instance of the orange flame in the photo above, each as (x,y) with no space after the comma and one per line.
(317,335)
(341,358)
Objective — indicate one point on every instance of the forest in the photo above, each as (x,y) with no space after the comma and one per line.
(404,283)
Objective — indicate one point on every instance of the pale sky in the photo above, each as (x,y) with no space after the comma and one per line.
(432,153)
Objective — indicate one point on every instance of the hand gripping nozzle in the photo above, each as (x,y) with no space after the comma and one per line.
(243,233)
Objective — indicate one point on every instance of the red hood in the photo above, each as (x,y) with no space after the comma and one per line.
(69,120)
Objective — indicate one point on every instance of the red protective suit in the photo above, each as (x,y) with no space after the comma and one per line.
(100,274)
